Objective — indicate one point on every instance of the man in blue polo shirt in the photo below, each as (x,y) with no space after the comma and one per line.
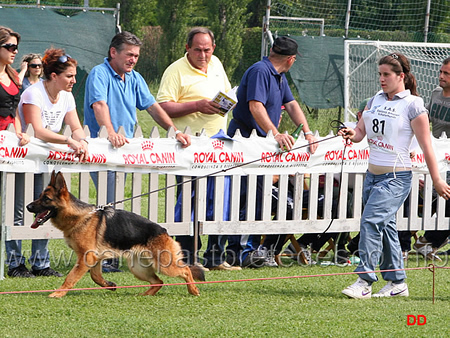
(113,92)
(261,93)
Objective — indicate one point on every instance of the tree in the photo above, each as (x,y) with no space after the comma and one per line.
(173,16)
(134,14)
(228,20)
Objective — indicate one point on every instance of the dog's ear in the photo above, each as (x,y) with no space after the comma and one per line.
(60,182)
(53,179)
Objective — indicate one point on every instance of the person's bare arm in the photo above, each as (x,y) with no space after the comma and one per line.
(261,117)
(164,120)
(421,129)
(103,117)
(177,109)
(297,116)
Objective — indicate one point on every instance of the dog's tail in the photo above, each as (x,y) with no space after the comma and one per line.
(197,273)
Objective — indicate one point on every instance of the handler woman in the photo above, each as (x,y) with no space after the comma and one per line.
(47,104)
(394,116)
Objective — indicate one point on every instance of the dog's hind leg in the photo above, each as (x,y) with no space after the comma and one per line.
(147,274)
(170,262)
(186,274)
(174,270)
(153,279)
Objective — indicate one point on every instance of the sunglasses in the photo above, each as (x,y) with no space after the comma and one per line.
(35,65)
(64,58)
(11,47)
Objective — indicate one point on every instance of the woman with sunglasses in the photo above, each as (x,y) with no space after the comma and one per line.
(9,83)
(31,70)
(9,100)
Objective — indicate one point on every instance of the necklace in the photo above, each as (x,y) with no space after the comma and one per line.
(53,99)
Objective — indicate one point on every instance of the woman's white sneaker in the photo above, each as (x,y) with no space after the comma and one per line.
(393,290)
(359,290)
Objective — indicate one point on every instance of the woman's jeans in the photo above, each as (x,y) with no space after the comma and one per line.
(382,197)
(39,258)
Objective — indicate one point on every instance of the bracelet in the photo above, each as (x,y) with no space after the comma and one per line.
(67,139)
(177,132)
(83,139)
(309,133)
(276,135)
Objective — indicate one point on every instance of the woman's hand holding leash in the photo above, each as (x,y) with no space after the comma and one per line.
(347,133)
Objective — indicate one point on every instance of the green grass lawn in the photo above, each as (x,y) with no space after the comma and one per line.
(292,307)
(311,306)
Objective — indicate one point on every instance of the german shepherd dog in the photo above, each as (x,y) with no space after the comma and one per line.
(98,234)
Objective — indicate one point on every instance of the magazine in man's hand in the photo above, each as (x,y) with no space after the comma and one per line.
(227,101)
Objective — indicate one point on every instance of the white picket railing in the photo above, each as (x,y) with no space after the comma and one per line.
(160,206)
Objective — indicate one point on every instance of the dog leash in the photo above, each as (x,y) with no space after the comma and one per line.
(100,207)
(338,125)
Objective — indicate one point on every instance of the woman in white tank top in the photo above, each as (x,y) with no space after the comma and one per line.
(391,119)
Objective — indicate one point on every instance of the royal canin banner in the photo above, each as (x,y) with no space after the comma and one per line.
(221,156)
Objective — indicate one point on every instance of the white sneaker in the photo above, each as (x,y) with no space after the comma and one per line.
(359,290)
(393,290)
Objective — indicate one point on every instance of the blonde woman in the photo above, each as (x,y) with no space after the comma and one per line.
(31,70)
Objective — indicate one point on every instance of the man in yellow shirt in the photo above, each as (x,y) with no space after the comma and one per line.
(186,91)
(189,84)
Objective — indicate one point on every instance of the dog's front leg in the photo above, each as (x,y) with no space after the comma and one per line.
(72,278)
(97,277)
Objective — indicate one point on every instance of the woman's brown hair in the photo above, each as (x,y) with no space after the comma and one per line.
(56,61)
(400,64)
(5,34)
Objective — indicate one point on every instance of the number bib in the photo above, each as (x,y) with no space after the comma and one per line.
(388,130)
(382,126)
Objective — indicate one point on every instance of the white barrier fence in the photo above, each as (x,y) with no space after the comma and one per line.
(153,163)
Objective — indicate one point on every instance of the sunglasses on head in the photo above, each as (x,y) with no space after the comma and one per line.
(11,47)
(64,58)
(35,65)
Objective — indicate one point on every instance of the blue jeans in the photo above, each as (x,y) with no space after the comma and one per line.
(382,197)
(253,241)
(39,258)
(215,251)
(110,186)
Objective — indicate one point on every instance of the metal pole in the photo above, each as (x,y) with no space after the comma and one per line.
(118,28)
(263,37)
(427,22)
(346,80)
(265,29)
(347,17)
(3,225)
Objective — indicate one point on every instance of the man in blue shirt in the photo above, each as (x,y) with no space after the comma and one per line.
(113,92)
(261,93)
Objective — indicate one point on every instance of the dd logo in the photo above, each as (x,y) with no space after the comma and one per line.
(416,320)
